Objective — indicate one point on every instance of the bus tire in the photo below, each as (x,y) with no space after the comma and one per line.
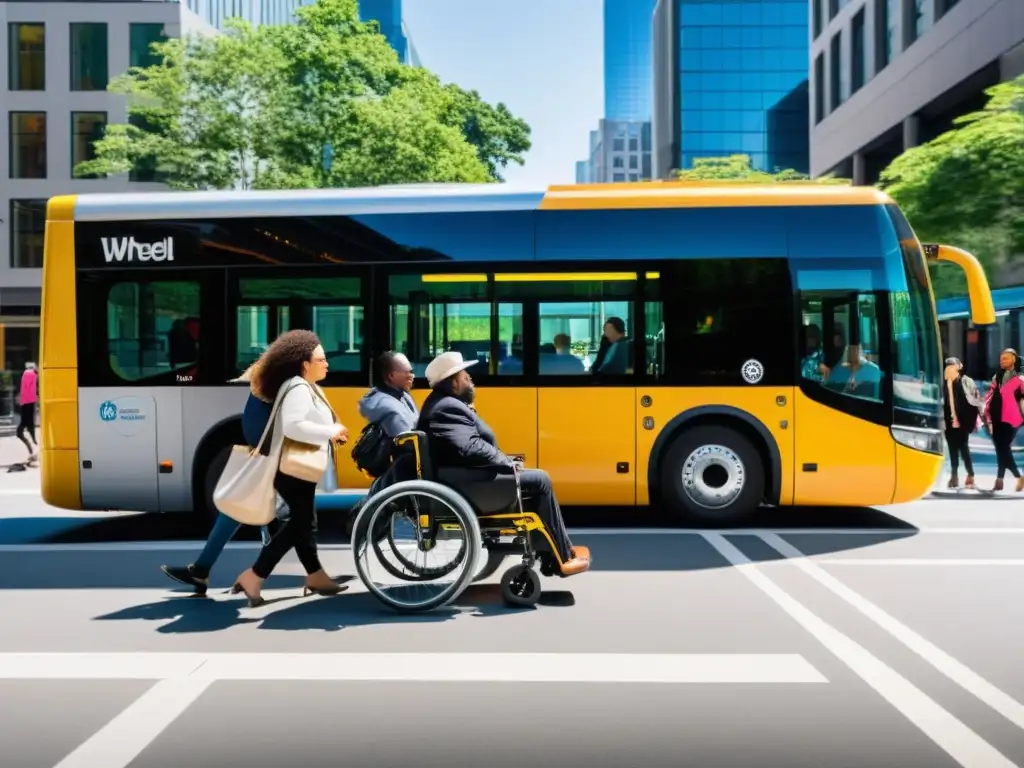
(712,474)
(210,479)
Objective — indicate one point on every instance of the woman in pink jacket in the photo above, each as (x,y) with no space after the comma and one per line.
(1003,415)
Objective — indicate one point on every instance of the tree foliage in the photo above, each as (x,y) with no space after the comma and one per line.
(740,168)
(324,102)
(966,187)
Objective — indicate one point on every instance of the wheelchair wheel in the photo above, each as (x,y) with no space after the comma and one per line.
(520,586)
(404,551)
(491,566)
(434,583)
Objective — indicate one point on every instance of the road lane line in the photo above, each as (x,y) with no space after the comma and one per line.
(960,742)
(124,738)
(418,667)
(955,670)
(939,561)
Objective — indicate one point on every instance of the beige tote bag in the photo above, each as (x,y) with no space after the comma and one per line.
(245,491)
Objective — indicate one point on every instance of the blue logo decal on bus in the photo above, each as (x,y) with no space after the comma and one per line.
(108,411)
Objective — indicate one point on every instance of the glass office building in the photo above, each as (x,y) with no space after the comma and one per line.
(737,83)
(388,13)
(627,59)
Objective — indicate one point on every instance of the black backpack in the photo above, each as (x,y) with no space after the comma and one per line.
(372,450)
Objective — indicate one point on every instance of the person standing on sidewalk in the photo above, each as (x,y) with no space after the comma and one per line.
(960,403)
(28,400)
(1003,415)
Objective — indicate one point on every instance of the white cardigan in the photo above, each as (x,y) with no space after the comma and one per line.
(303,417)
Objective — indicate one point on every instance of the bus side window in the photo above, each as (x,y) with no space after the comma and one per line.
(152,328)
(841,335)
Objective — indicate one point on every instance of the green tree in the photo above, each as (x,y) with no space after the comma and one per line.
(266,107)
(966,187)
(740,168)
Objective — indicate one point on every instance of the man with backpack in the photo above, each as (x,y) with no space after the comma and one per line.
(390,411)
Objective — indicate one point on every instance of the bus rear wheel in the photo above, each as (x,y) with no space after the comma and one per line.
(712,474)
(213,473)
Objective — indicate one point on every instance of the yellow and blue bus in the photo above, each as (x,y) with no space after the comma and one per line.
(783,347)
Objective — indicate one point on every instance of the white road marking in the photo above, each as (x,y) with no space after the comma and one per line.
(121,740)
(960,742)
(955,670)
(410,667)
(939,561)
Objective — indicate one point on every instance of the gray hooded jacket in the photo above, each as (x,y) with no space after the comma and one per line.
(395,415)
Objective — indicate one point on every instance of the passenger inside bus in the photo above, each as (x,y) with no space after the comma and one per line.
(557,357)
(614,355)
(856,375)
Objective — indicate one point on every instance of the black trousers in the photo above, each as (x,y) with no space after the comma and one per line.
(1002,438)
(28,424)
(299,531)
(536,486)
(957,439)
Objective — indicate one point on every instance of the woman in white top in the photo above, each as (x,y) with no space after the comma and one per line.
(295,361)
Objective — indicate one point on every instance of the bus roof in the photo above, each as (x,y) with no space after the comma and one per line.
(451,198)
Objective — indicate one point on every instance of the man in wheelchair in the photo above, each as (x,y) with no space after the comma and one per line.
(465,450)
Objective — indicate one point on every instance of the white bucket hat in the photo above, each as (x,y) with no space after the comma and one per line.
(446,365)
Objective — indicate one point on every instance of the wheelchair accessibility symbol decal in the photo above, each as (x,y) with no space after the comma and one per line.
(752,371)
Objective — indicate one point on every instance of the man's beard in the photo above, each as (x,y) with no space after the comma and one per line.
(468,395)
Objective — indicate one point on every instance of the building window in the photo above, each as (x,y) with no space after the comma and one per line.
(89,57)
(858,68)
(922,10)
(816,16)
(835,65)
(141,38)
(26,57)
(887,25)
(819,88)
(28,225)
(28,145)
(86,130)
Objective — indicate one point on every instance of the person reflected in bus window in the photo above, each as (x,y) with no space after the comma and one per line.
(616,358)
(856,375)
(1003,414)
(558,357)
(960,403)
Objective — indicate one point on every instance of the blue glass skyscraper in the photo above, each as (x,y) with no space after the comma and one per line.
(627,59)
(387,13)
(734,82)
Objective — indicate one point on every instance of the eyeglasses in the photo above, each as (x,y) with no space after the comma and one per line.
(319,359)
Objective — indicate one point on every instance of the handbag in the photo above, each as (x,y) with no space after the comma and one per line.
(372,451)
(245,490)
(305,461)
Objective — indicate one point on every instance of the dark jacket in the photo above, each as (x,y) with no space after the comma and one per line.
(457,437)
(966,400)
(254,419)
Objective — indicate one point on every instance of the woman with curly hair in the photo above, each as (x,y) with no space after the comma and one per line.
(295,361)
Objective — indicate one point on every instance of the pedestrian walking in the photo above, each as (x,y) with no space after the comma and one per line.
(254,420)
(1003,414)
(28,400)
(961,402)
(297,362)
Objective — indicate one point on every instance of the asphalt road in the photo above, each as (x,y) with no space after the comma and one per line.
(893,640)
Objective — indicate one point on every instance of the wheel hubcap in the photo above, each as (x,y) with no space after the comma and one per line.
(713,476)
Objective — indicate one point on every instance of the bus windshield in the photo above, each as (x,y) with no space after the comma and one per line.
(916,364)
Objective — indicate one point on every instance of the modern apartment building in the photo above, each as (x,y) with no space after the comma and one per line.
(620,149)
(56,60)
(887,75)
(730,77)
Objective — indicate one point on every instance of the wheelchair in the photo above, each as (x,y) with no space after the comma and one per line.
(456,520)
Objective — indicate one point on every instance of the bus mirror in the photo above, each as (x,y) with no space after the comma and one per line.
(983,312)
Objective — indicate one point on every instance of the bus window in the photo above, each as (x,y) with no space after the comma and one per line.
(841,344)
(654,328)
(431,314)
(585,320)
(329,306)
(152,328)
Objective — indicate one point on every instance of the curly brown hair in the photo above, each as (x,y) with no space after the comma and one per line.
(282,360)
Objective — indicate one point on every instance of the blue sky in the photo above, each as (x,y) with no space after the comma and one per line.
(542,58)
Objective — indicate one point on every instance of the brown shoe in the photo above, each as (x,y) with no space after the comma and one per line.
(998,486)
(320,583)
(1020,484)
(953,482)
(969,481)
(579,563)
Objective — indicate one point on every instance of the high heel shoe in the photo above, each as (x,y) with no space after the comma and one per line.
(239,587)
(330,588)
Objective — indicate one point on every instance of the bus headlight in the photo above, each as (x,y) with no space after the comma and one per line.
(927,440)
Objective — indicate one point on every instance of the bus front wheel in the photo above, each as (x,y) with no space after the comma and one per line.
(712,474)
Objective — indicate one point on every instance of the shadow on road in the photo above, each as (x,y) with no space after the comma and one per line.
(193,615)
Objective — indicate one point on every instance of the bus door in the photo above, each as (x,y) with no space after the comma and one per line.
(845,454)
